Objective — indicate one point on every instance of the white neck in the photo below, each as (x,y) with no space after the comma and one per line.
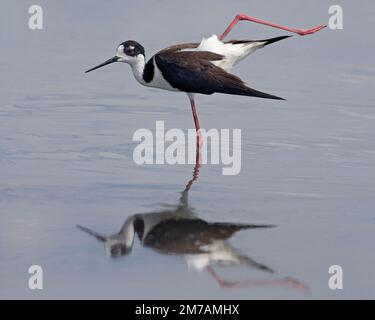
(138,66)
(127,232)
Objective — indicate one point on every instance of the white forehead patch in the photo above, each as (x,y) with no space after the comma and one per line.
(120,50)
(131,47)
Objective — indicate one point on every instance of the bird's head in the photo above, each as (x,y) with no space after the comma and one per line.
(129,52)
(119,244)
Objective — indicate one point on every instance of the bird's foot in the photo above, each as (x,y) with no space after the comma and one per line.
(302,32)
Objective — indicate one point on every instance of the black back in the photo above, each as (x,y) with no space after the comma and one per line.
(193,71)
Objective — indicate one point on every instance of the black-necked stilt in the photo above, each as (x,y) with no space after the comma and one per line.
(198,67)
(179,231)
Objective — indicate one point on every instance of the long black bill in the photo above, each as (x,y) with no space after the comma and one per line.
(114,59)
(92,233)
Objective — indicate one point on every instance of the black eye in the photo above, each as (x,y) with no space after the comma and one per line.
(129,51)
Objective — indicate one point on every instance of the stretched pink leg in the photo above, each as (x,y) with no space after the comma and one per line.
(289,282)
(239,17)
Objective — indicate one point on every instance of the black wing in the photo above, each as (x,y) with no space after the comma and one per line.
(193,71)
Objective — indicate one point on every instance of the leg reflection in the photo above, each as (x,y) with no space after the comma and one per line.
(178,230)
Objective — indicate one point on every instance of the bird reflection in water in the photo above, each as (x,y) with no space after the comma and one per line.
(178,231)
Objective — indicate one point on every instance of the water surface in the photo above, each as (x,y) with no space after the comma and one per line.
(308,164)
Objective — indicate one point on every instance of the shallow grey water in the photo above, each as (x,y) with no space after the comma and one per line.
(308,164)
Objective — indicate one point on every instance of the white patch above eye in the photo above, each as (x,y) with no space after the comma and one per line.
(131,47)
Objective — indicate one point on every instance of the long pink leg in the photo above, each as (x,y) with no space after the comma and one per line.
(198,129)
(289,282)
(184,196)
(240,17)
(192,180)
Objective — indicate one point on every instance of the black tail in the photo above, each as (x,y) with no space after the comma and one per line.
(272,40)
(266,41)
(247,91)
